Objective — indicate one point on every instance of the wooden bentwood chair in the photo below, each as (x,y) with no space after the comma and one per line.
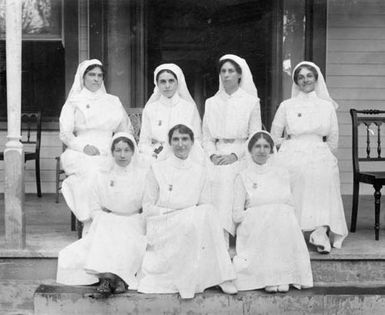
(31,135)
(376,119)
(135,115)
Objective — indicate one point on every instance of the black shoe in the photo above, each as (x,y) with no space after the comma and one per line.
(120,286)
(104,287)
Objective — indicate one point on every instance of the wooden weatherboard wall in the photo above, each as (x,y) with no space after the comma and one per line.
(355,69)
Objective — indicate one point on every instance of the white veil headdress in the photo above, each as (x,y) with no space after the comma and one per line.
(249,159)
(320,86)
(247,82)
(136,160)
(182,89)
(78,83)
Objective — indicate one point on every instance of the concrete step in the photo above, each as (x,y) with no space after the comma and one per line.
(63,300)
(19,279)
(327,271)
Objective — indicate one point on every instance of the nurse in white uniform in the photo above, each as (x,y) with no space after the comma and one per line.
(231,116)
(88,120)
(169,105)
(309,120)
(186,251)
(271,252)
(112,251)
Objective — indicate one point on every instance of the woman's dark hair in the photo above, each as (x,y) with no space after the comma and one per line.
(125,140)
(183,129)
(165,71)
(236,66)
(258,136)
(91,67)
(308,67)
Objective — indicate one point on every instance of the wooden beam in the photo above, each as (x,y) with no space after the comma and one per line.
(276,60)
(319,34)
(71,41)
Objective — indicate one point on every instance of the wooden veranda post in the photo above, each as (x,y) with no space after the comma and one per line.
(14,154)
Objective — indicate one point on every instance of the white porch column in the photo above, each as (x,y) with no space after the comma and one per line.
(14,154)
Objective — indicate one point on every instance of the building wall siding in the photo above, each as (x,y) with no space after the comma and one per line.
(355,69)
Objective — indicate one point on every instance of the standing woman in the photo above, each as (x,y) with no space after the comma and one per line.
(88,120)
(169,105)
(113,249)
(231,116)
(309,119)
(271,250)
(185,251)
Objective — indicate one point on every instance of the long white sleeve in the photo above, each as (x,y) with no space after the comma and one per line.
(255,122)
(151,196)
(205,197)
(208,140)
(145,138)
(278,125)
(239,200)
(67,126)
(332,137)
(197,126)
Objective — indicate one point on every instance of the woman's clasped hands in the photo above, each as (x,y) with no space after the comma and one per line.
(223,159)
(91,150)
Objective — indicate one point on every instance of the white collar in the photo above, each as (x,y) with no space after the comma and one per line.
(255,168)
(179,163)
(121,170)
(309,95)
(172,101)
(226,96)
(91,95)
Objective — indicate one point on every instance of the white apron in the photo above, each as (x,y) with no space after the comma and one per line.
(186,252)
(313,167)
(270,246)
(116,241)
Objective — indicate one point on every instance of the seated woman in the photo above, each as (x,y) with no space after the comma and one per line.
(310,121)
(231,116)
(169,105)
(186,252)
(88,120)
(271,252)
(113,249)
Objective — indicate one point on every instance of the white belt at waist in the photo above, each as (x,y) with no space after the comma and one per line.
(307,137)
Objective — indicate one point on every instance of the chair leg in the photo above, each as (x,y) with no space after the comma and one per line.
(37,174)
(377,207)
(73,222)
(356,194)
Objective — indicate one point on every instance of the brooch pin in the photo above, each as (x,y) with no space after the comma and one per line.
(299,115)
(88,105)
(112,183)
(159,123)
(170,187)
(255,185)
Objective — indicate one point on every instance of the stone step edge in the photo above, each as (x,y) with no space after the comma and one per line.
(39,254)
(84,291)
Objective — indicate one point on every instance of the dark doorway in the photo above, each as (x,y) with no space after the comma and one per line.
(43,78)
(194,34)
